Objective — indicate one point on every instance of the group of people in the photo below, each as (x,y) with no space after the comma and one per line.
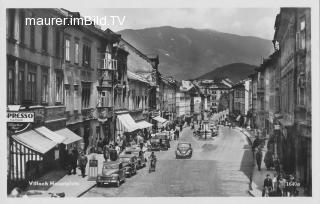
(280,186)
(75,159)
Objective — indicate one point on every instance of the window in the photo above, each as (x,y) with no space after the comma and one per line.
(67,97)
(86,55)
(303,34)
(11,23)
(75,97)
(76,53)
(57,43)
(85,95)
(31,85)
(22,26)
(67,51)
(44,38)
(32,36)
(44,85)
(21,85)
(10,95)
(59,87)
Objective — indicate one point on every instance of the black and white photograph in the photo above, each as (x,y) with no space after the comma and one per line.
(159,101)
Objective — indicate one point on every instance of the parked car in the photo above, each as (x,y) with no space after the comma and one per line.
(164,140)
(154,144)
(139,154)
(130,163)
(112,173)
(184,150)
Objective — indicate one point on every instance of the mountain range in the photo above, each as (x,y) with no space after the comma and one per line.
(187,53)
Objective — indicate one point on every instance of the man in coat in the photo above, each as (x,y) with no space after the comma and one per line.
(267,185)
(75,156)
(259,158)
(83,160)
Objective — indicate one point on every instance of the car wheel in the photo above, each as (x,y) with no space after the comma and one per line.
(98,184)
(124,180)
(118,183)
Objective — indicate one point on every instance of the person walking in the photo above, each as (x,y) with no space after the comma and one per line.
(83,160)
(75,155)
(259,158)
(281,185)
(117,148)
(275,184)
(267,186)
(106,152)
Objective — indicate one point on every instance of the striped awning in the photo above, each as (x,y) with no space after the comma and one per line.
(70,136)
(127,121)
(35,141)
(159,119)
(143,124)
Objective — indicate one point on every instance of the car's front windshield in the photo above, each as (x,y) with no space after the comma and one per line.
(111,166)
(125,159)
(183,146)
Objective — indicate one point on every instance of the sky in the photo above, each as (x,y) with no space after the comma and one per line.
(258,22)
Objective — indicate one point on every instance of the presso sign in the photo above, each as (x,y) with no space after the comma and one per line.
(20,117)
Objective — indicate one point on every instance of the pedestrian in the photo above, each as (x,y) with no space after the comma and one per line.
(106,152)
(291,186)
(276,164)
(275,183)
(75,155)
(83,160)
(268,160)
(180,126)
(113,154)
(267,186)
(281,185)
(259,158)
(68,161)
(117,148)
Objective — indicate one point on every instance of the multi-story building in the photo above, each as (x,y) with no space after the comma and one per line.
(167,89)
(293,39)
(88,59)
(34,81)
(282,94)
(183,100)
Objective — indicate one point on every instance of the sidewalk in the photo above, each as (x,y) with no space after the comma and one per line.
(72,185)
(257,176)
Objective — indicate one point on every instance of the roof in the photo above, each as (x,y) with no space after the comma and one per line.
(137,77)
(50,134)
(35,141)
(159,119)
(70,136)
(126,155)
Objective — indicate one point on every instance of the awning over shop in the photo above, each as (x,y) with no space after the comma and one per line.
(127,121)
(159,119)
(50,134)
(144,124)
(70,136)
(35,141)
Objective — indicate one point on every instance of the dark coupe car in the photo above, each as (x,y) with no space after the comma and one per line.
(130,163)
(184,150)
(112,173)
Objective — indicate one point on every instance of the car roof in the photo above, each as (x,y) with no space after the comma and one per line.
(184,143)
(126,155)
(111,162)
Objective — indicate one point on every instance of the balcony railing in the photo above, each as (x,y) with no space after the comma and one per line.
(108,64)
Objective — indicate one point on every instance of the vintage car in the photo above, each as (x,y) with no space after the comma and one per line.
(112,173)
(154,144)
(163,140)
(184,150)
(139,154)
(130,163)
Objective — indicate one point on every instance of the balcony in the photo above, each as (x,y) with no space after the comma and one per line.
(87,113)
(107,64)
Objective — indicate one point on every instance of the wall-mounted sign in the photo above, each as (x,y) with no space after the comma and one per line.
(18,121)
